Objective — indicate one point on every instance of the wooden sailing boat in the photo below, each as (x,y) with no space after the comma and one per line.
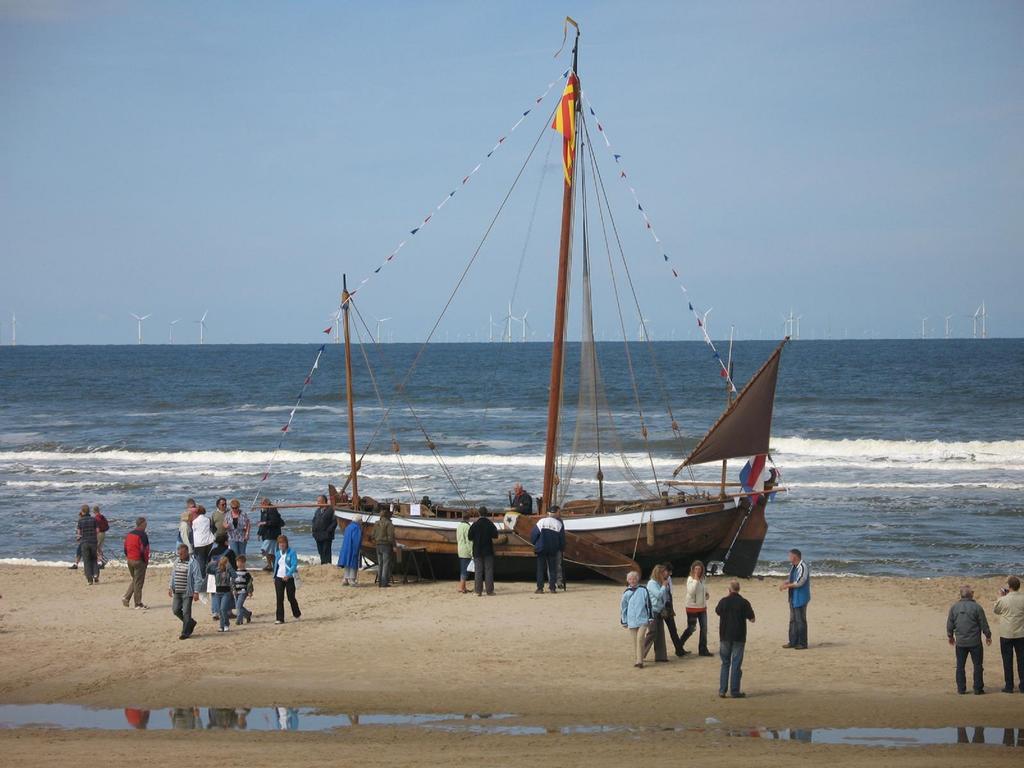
(604,536)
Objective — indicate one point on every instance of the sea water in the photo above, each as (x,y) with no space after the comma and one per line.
(901,457)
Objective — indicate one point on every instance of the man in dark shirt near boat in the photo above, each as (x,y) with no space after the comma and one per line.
(87,537)
(383,537)
(734,612)
(520,501)
(483,532)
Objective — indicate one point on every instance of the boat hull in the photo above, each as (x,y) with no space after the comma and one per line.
(676,535)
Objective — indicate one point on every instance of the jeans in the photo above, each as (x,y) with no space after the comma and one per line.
(324,548)
(1008,647)
(731,654)
(977,654)
(281,588)
(798,625)
(238,547)
(547,563)
(464,567)
(484,573)
(385,554)
(692,620)
(92,570)
(240,609)
(137,570)
(223,602)
(181,606)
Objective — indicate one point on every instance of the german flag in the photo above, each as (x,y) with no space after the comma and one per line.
(565,124)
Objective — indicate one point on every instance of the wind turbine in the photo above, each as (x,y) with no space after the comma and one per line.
(924,333)
(641,327)
(170,331)
(947,319)
(202,327)
(139,319)
(380,321)
(525,324)
(336,323)
(798,319)
(984,317)
(789,325)
(704,321)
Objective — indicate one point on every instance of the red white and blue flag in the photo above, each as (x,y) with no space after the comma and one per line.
(753,474)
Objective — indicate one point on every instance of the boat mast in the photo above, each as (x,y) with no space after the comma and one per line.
(558,337)
(728,402)
(353,466)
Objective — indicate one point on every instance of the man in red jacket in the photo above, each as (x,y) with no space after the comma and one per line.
(136,552)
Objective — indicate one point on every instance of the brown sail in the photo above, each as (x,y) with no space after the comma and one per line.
(745,428)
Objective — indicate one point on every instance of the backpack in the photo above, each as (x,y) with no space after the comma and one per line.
(101,524)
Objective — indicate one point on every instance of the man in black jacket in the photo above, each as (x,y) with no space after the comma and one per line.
(324,526)
(520,500)
(482,533)
(734,612)
(269,529)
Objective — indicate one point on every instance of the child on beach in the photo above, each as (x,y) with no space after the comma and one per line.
(241,587)
(222,600)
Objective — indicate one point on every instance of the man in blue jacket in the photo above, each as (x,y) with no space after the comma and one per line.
(548,539)
(799,587)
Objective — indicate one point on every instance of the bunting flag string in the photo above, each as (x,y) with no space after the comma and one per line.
(649,226)
(465,180)
(291,417)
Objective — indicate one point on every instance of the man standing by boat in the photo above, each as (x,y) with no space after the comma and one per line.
(324,525)
(482,533)
(520,500)
(548,539)
(799,586)
(965,625)
(383,537)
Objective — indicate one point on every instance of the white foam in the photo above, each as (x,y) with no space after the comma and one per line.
(991,454)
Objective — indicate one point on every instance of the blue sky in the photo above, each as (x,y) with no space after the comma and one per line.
(862,163)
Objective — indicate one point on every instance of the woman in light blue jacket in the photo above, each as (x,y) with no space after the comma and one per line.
(635,614)
(286,570)
(656,589)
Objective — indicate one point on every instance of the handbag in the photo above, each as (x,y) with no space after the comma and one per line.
(211,583)
(471,568)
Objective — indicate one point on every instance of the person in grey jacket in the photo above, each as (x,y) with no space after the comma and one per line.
(965,625)
(186,582)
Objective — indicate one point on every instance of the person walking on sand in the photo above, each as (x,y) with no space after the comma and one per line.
(465,550)
(102,526)
(799,586)
(670,612)
(965,625)
(656,634)
(1010,610)
(696,610)
(351,551)
(383,538)
(224,580)
(186,582)
(548,539)
(636,615)
(482,533)
(286,570)
(236,525)
(220,512)
(734,612)
(87,539)
(241,589)
(323,527)
(136,554)
(202,537)
(269,528)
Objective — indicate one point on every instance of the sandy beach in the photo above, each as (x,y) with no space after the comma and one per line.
(878,658)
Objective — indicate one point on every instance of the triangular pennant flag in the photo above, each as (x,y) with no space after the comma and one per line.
(665,255)
(376,270)
(328,329)
(414,231)
(265,476)
(617,157)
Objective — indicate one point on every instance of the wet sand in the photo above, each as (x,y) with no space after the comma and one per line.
(878,657)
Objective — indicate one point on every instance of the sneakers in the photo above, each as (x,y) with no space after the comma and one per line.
(224,629)
(789,645)
(141,607)
(124,601)
(738,695)
(279,622)
(539,591)
(705,653)
(73,567)
(1007,689)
